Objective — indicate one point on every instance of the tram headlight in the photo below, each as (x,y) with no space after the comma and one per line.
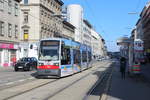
(41,64)
(56,64)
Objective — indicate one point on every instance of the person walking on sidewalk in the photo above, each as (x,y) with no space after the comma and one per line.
(123,67)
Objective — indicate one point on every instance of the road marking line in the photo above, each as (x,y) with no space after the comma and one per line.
(31,78)
(9,83)
(21,80)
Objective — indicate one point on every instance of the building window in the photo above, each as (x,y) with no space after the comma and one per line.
(16,31)
(1,28)
(25,1)
(16,9)
(9,30)
(9,6)
(1,4)
(42,11)
(26,35)
(6,56)
(26,17)
(45,14)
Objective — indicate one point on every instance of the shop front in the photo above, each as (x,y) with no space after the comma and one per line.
(147,55)
(8,54)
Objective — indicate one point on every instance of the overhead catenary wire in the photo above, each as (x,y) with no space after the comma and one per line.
(94,16)
(138,5)
(135,12)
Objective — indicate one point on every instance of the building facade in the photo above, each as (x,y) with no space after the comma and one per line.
(139,30)
(87,37)
(9,31)
(68,31)
(75,17)
(143,29)
(83,30)
(98,45)
(39,19)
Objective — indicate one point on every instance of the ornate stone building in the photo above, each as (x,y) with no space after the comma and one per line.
(98,45)
(39,19)
(145,23)
(87,37)
(9,31)
(68,31)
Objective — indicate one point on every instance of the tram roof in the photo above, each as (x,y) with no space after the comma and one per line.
(50,39)
(68,42)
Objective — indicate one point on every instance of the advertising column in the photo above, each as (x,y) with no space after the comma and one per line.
(138,50)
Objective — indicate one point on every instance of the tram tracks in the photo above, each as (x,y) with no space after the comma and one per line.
(69,85)
(31,87)
(46,83)
(74,82)
(101,87)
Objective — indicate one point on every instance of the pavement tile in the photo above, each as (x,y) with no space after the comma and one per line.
(6,68)
(128,89)
(145,70)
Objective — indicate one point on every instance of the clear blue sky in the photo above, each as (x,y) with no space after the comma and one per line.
(110,17)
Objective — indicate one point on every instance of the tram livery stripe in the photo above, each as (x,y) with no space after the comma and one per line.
(48,67)
(66,66)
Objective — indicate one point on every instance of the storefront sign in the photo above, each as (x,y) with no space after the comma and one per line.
(6,46)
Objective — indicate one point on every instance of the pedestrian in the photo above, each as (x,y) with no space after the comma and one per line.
(123,67)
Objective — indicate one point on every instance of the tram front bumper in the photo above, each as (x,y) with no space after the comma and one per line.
(48,72)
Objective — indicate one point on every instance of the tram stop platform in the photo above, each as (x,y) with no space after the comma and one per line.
(130,88)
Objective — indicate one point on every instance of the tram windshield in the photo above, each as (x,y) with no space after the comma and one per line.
(49,50)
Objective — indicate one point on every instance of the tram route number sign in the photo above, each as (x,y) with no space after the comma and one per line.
(47,43)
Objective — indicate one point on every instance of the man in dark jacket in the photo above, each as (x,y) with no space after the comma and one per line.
(123,67)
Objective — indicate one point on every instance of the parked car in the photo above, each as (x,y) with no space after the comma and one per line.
(26,63)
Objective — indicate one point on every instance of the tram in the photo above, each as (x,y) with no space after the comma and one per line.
(62,57)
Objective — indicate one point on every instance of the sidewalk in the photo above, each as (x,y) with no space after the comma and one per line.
(6,68)
(128,89)
(145,70)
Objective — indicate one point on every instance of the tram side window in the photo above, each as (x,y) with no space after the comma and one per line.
(65,56)
(77,56)
(84,56)
(89,56)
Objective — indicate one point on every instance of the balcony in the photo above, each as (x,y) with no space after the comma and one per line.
(18,0)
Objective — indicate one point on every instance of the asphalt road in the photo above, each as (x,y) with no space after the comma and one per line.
(9,76)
